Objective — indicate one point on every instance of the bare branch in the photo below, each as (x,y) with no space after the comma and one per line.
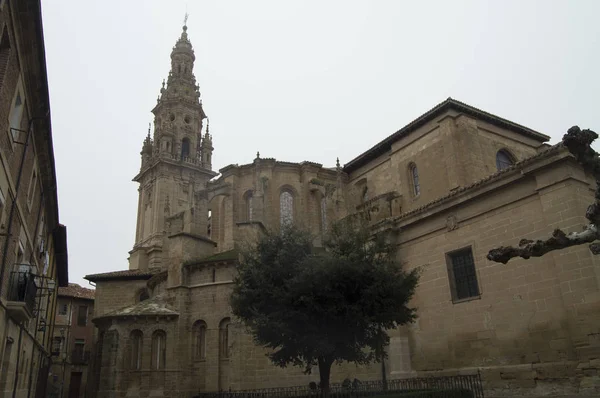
(578,142)
(558,240)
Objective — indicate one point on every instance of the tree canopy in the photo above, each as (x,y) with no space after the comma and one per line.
(317,306)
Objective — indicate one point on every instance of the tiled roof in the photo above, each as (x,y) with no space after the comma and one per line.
(155,306)
(125,274)
(76,291)
(553,149)
(449,103)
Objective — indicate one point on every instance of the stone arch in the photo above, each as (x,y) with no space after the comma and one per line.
(413,178)
(199,330)
(221,210)
(224,338)
(185,148)
(248,209)
(288,204)
(135,349)
(158,350)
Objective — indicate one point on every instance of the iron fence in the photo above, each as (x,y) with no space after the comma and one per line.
(22,289)
(438,387)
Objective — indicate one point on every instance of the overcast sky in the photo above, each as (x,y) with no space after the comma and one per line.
(295,80)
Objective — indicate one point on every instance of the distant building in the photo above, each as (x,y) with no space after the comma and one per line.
(72,341)
(449,186)
(33,243)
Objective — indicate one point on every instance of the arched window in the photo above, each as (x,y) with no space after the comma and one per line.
(136,339)
(248,201)
(365,194)
(286,207)
(199,340)
(224,338)
(159,351)
(185,148)
(323,215)
(143,295)
(414,179)
(503,159)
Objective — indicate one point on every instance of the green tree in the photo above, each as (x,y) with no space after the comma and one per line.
(314,307)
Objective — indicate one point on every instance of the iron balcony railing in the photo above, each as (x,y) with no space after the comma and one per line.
(22,289)
(80,357)
(436,387)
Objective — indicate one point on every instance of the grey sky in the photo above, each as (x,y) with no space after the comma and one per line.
(296,80)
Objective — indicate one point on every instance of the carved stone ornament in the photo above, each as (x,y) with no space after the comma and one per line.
(451,223)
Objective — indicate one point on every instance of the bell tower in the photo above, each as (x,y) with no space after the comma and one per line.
(176,163)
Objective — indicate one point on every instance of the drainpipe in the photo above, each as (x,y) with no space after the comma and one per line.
(15,197)
(37,321)
(14,391)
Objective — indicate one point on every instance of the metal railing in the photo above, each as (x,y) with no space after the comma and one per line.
(435,387)
(79,357)
(22,289)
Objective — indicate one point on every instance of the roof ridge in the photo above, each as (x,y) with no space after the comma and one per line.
(376,149)
(477,183)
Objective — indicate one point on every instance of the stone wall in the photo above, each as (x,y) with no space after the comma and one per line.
(451,151)
(532,316)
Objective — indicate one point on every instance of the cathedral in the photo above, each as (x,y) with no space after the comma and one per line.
(449,186)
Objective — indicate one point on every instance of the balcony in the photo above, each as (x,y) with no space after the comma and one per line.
(21,296)
(80,357)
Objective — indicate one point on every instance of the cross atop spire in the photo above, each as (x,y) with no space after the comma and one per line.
(185,18)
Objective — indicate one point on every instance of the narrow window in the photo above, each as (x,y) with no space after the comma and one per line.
(286,207)
(248,200)
(136,350)
(462,274)
(20,254)
(2,203)
(16,114)
(414,178)
(78,355)
(143,295)
(185,148)
(200,340)
(82,315)
(31,190)
(159,339)
(224,339)
(323,215)
(503,160)
(365,194)
(4,53)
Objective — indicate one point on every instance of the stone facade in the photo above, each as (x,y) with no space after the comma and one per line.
(449,186)
(33,261)
(72,341)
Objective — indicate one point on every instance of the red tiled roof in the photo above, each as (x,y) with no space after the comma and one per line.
(76,291)
(125,274)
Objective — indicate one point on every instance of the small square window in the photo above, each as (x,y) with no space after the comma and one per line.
(462,275)
(63,309)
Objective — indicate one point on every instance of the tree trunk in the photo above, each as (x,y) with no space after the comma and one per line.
(324,373)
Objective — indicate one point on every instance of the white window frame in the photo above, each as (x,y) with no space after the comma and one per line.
(18,90)
(2,205)
(32,185)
